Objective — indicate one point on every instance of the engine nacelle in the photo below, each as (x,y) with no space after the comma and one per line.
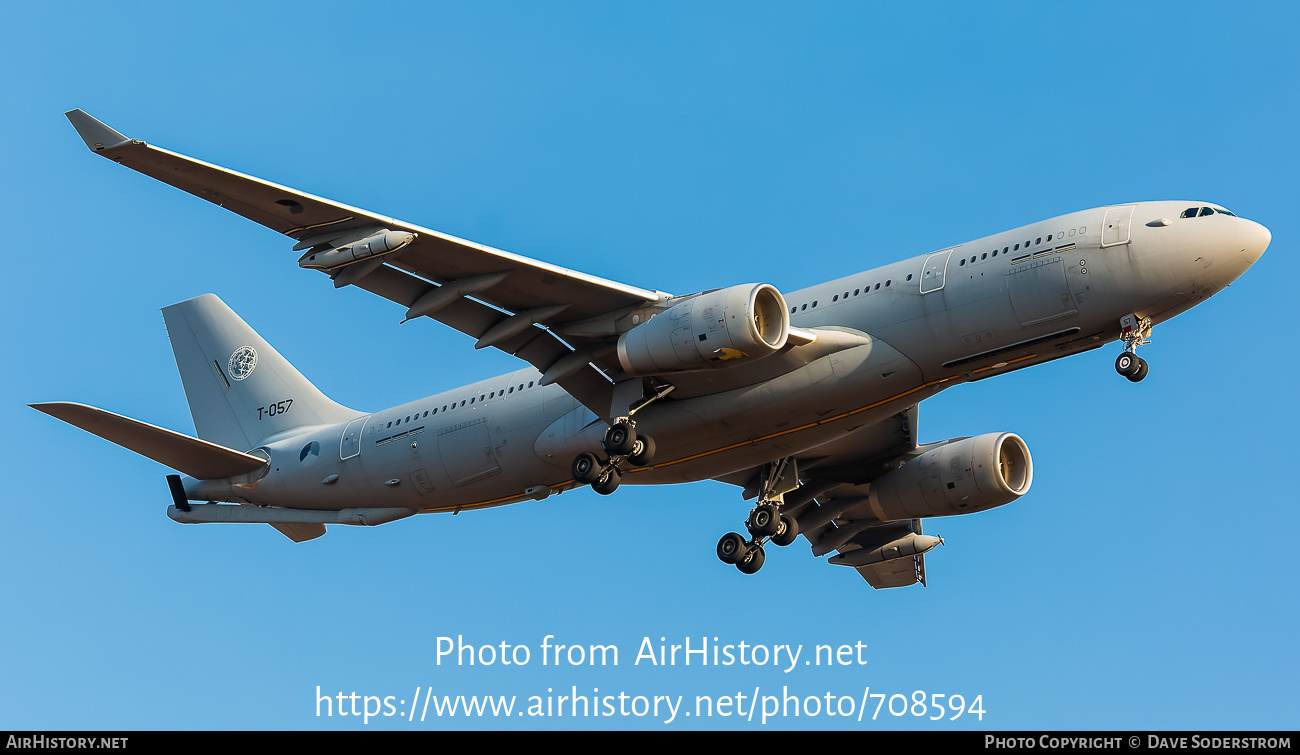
(959,477)
(722,328)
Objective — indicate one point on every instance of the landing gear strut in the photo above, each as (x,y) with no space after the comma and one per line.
(765,523)
(1134,333)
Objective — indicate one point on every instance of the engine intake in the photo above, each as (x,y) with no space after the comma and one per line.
(960,477)
(715,329)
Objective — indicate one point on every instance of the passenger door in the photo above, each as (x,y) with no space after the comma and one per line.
(934,271)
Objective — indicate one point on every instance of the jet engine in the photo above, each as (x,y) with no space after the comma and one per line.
(721,328)
(959,477)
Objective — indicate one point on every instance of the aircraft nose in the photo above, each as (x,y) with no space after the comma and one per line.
(1255,239)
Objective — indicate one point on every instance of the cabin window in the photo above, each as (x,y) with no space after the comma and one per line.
(855,291)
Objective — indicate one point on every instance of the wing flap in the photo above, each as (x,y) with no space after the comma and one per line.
(197,458)
(539,347)
(900,572)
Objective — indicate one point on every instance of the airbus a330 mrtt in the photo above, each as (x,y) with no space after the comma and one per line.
(807,399)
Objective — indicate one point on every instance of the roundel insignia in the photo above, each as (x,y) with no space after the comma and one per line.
(242,362)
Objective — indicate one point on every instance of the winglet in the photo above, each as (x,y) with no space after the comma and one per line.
(96,135)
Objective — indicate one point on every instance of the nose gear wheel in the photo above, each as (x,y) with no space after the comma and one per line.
(1134,333)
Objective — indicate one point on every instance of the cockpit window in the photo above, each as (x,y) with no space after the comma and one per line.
(1193,212)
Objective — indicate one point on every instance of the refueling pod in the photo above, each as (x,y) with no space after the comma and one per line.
(374,245)
(721,328)
(959,477)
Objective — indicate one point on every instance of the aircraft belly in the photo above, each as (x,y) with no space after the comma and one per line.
(712,435)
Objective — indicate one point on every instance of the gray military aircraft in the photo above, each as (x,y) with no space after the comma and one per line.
(806,400)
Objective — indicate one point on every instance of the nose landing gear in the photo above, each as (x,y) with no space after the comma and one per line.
(1131,366)
(1134,333)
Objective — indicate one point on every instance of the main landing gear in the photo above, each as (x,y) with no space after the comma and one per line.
(626,449)
(765,523)
(1134,333)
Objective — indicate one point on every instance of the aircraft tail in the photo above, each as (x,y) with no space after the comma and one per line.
(240,390)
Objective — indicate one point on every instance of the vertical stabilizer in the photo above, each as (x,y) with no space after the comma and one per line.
(239,388)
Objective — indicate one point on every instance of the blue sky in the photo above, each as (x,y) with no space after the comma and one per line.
(1145,582)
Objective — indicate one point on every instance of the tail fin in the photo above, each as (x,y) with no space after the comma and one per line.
(239,388)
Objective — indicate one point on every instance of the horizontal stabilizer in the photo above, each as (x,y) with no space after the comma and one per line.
(197,458)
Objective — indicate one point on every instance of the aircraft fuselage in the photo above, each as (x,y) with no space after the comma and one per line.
(887,338)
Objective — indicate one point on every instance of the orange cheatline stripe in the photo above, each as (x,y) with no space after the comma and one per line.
(749,442)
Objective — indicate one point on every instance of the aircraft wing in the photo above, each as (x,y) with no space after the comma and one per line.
(494,296)
(831,503)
